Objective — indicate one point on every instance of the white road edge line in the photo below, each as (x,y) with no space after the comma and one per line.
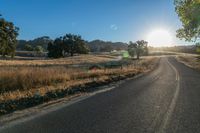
(168,115)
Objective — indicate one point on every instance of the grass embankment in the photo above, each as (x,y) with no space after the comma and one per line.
(192,61)
(28,83)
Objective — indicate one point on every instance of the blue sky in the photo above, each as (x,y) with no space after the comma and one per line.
(111,20)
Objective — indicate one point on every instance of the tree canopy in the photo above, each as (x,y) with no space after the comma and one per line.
(8,37)
(189,14)
(69,44)
(138,48)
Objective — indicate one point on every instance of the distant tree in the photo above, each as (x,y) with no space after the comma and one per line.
(39,49)
(55,48)
(69,44)
(50,48)
(28,47)
(146,50)
(131,49)
(198,47)
(138,47)
(83,48)
(74,44)
(8,35)
(41,41)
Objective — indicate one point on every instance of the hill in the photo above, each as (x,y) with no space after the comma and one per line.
(106,46)
(94,46)
(40,41)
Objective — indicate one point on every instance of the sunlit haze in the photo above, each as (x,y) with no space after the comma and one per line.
(160,37)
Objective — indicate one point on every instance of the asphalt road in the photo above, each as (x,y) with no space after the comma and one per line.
(165,100)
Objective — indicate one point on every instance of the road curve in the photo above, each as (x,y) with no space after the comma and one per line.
(165,101)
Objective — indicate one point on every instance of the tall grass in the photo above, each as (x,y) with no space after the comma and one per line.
(24,81)
(23,78)
(59,62)
(192,61)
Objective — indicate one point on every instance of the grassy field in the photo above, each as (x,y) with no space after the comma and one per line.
(23,82)
(192,61)
(83,59)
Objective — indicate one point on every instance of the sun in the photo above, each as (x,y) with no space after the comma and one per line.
(159,38)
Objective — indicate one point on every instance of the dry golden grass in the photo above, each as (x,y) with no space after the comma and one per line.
(59,62)
(24,81)
(192,61)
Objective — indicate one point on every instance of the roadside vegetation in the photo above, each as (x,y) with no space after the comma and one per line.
(25,85)
(192,61)
(188,12)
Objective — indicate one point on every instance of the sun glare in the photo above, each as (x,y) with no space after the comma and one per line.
(159,38)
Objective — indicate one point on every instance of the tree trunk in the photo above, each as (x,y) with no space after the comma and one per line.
(138,56)
(12,55)
(3,55)
(72,53)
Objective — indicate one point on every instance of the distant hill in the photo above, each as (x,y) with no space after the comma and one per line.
(41,41)
(106,46)
(102,46)
(95,46)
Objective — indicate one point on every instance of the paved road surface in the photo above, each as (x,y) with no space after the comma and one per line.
(166,100)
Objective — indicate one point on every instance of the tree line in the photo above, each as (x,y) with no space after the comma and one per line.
(70,44)
(94,46)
